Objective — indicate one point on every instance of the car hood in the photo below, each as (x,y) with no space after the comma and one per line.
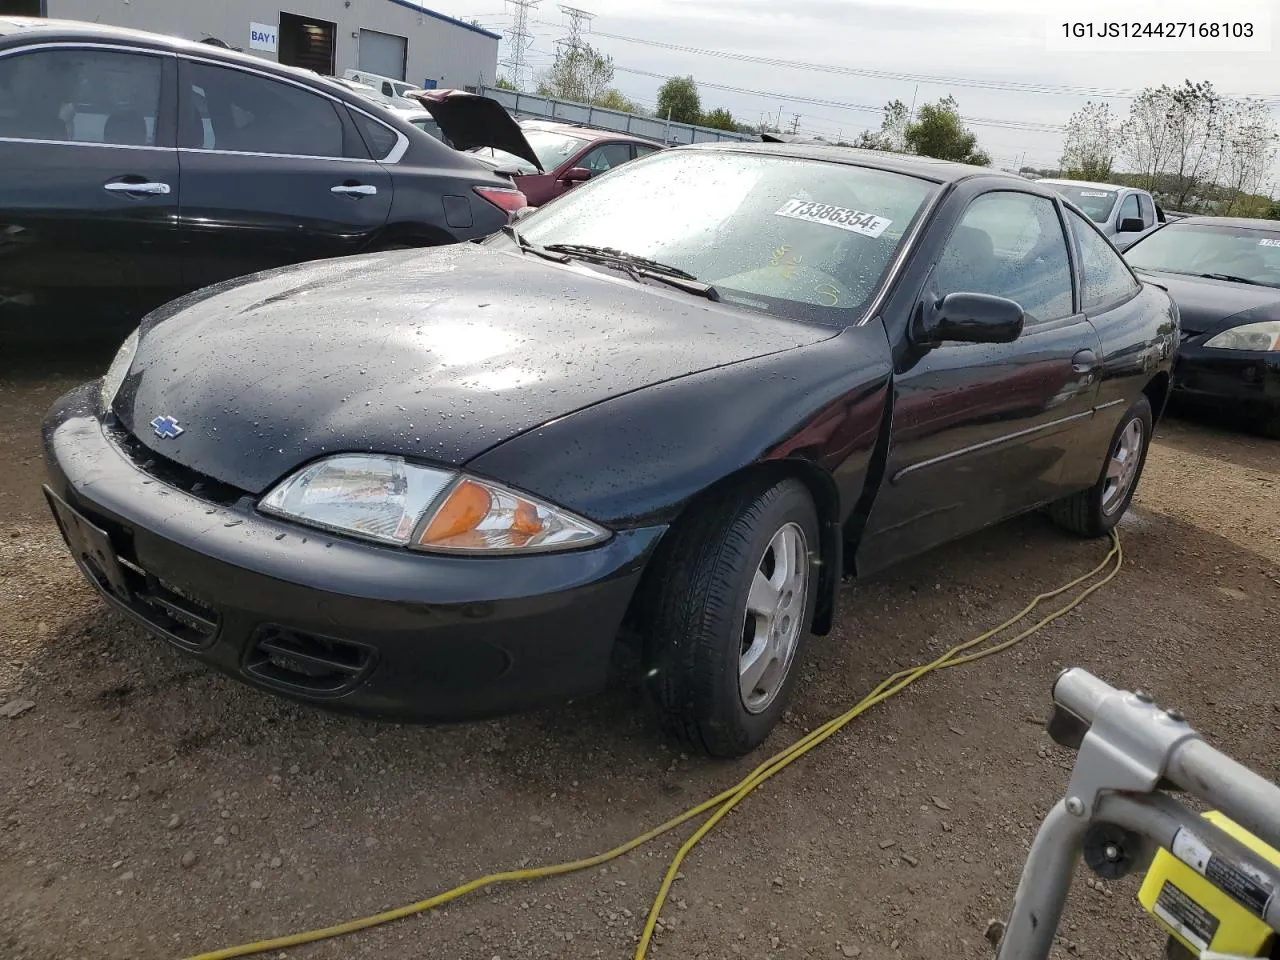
(434,354)
(469,120)
(1207,306)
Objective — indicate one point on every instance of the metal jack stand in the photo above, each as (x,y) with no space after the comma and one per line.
(1117,811)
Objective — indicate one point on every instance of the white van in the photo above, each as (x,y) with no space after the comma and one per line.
(387,86)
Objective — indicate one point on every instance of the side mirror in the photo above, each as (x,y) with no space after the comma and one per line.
(1130,225)
(968,318)
(576,175)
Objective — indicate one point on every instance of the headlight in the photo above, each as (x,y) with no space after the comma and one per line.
(390,500)
(1251,336)
(115,374)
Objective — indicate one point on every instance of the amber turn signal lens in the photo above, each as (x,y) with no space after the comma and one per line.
(466,506)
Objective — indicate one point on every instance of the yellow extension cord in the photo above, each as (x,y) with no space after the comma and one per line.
(725,801)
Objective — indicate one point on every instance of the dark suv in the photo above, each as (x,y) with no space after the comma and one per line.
(137,167)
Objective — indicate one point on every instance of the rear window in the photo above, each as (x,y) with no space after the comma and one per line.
(793,237)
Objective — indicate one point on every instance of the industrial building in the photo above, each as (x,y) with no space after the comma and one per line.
(394,38)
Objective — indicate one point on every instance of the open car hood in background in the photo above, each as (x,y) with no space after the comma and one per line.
(470,120)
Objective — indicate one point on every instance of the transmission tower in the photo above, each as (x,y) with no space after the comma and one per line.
(519,39)
(577,20)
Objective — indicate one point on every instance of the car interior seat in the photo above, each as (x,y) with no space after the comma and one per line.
(126,127)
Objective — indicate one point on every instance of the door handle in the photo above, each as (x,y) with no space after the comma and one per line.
(119,186)
(355,189)
(1084,361)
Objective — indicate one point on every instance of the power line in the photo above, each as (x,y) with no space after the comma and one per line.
(1026,126)
(1007,85)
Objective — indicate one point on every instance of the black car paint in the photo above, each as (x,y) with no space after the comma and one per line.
(407,350)
(77,260)
(861,414)
(1246,381)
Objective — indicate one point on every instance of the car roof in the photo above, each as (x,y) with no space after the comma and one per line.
(585,133)
(1086,183)
(1243,223)
(44,29)
(926,168)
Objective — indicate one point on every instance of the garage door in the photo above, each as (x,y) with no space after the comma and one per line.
(382,53)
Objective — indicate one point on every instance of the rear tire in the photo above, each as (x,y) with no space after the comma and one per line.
(1096,511)
(729,617)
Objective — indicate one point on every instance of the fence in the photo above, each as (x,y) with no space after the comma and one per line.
(533,106)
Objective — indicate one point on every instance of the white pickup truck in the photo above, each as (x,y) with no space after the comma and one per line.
(1124,214)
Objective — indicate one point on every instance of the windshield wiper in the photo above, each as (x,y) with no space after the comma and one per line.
(528,246)
(1232,278)
(638,268)
(586,251)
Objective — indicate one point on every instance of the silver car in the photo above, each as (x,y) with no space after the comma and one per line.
(1124,214)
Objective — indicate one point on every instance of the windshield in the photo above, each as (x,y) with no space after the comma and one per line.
(1252,254)
(1097,204)
(552,149)
(795,237)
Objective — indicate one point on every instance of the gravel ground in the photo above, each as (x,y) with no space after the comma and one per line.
(150,808)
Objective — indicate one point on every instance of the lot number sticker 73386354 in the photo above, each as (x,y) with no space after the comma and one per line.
(843,218)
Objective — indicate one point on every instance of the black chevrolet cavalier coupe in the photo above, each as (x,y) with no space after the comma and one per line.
(1224,274)
(675,404)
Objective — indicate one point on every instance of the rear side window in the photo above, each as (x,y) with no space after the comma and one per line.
(1011,245)
(227,109)
(379,138)
(80,96)
(1106,278)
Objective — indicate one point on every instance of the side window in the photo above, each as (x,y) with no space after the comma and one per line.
(606,157)
(1106,276)
(80,96)
(1010,244)
(379,138)
(1148,211)
(1129,208)
(643,151)
(228,109)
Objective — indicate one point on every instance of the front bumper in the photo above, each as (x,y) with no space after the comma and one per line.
(1244,380)
(373,630)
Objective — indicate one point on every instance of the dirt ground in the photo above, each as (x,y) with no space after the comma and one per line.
(150,808)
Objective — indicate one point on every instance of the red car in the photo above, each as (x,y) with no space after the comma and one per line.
(567,155)
(544,158)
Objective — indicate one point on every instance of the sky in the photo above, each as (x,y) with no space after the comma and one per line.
(977,41)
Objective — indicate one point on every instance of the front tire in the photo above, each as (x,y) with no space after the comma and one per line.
(1096,511)
(730,615)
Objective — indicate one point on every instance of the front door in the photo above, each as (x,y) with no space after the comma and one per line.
(981,431)
(88,191)
(273,173)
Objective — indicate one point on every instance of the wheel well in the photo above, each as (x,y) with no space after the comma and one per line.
(1157,393)
(826,500)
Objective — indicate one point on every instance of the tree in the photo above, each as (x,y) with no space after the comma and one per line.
(1248,143)
(612,99)
(939,132)
(1089,146)
(720,119)
(678,99)
(580,73)
(502,83)
(892,133)
(1144,135)
(1194,120)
